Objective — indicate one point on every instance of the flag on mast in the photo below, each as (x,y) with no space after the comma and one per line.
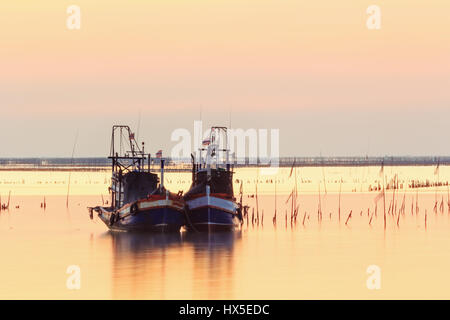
(159,154)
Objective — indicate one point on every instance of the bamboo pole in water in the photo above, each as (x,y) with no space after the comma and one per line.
(9,198)
(348,218)
(262,218)
(436,172)
(417,202)
(384,199)
(319,210)
(296,195)
(402,209)
(256,195)
(275,214)
(339,209)
(285,218)
(293,206)
(393,197)
(70,172)
(448,200)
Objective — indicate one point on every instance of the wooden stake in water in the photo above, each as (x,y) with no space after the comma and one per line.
(393,196)
(425,218)
(448,200)
(384,201)
(285,218)
(256,195)
(417,202)
(436,172)
(348,218)
(9,198)
(319,212)
(412,206)
(275,214)
(70,172)
(339,209)
(296,188)
(292,206)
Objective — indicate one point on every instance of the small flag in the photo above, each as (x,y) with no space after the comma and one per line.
(206,142)
(159,154)
(131,136)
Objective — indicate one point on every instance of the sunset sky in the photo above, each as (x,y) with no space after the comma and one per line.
(309,68)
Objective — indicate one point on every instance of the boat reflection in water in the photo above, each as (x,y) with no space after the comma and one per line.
(172,266)
(125,243)
(211,242)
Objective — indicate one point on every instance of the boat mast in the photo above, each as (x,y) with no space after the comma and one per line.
(127,158)
(161,184)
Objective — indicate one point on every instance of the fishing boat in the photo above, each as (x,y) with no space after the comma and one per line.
(210,201)
(137,201)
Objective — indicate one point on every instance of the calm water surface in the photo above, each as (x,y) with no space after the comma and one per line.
(312,258)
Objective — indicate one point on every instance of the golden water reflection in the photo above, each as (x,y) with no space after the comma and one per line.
(316,256)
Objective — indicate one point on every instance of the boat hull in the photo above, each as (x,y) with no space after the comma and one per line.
(210,213)
(150,216)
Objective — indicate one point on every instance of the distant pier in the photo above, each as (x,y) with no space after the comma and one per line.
(184,165)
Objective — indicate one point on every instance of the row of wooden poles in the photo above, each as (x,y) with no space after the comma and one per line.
(5,206)
(395,208)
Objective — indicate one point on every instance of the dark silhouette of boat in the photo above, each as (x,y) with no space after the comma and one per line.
(210,201)
(137,201)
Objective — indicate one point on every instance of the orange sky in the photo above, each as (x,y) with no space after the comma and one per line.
(157,57)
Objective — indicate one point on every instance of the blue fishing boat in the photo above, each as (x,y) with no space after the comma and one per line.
(210,202)
(137,201)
